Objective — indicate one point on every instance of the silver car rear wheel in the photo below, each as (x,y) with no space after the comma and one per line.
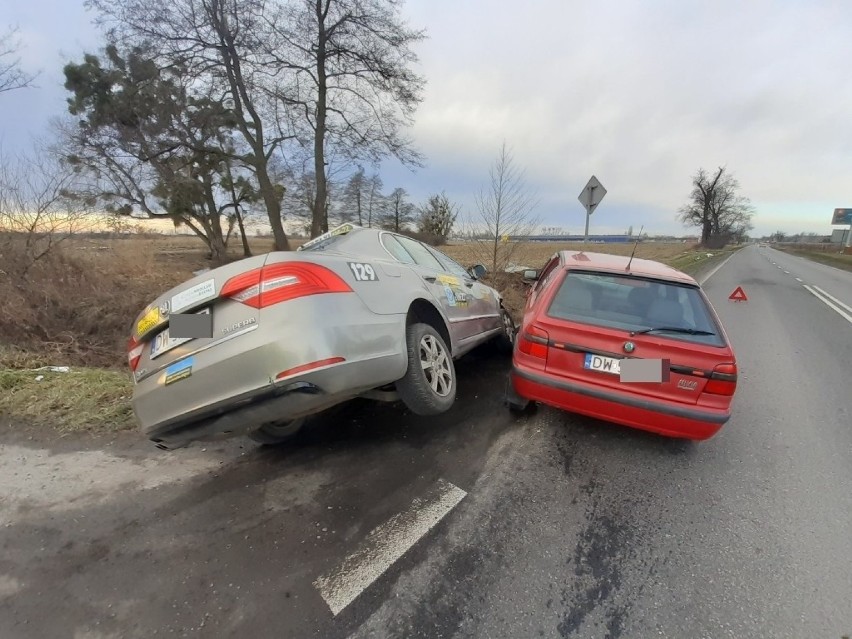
(279,433)
(436,365)
(506,339)
(429,385)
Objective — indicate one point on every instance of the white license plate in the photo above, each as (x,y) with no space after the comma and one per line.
(602,364)
(162,343)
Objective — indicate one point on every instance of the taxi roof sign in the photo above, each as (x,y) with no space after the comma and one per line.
(343,229)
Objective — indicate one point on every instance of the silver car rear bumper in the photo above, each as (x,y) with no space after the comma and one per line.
(281,401)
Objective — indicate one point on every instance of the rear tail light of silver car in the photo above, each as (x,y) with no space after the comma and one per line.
(134,352)
(275,283)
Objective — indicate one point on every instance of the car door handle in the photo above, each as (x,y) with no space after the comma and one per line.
(430,279)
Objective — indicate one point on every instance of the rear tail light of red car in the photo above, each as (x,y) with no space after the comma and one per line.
(134,353)
(534,342)
(280,282)
(723,381)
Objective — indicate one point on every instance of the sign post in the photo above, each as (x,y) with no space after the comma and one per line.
(841,217)
(590,197)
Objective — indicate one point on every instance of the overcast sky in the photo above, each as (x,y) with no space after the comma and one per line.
(640,94)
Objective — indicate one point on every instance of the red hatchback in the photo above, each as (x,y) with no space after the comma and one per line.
(589,313)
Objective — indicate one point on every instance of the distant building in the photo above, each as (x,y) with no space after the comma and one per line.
(840,236)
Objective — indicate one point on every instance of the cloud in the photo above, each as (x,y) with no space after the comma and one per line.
(639,94)
(642,94)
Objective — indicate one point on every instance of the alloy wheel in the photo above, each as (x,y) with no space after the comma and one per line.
(436,365)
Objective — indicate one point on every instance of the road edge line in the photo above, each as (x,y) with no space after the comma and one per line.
(704,279)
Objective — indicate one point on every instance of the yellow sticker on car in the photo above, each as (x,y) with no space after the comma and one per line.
(148,321)
(450,280)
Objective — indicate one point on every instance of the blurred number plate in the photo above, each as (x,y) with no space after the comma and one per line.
(602,364)
(162,343)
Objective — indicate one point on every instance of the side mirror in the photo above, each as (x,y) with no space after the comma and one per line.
(531,274)
(477,271)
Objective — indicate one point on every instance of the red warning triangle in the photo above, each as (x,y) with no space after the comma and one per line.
(738,295)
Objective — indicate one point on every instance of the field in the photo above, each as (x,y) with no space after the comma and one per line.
(829,256)
(535,254)
(77,303)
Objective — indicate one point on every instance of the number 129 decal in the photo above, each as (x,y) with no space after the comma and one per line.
(363,272)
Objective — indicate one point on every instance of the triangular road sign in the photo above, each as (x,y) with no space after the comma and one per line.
(738,295)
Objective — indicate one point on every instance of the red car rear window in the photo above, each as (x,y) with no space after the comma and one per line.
(632,303)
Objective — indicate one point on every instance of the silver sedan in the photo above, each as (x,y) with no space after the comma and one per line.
(256,346)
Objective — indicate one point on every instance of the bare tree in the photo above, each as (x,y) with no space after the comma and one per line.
(376,201)
(224,43)
(399,213)
(353,82)
(36,213)
(11,75)
(354,195)
(717,206)
(504,213)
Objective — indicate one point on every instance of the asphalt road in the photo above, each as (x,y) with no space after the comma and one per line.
(474,524)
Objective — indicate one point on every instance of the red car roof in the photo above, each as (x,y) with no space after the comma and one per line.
(618,264)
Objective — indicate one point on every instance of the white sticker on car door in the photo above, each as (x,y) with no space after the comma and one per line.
(363,272)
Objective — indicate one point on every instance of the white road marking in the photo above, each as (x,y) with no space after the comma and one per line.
(384,545)
(831,302)
(798,279)
(787,272)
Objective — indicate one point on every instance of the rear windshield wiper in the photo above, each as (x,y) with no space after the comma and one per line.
(672,329)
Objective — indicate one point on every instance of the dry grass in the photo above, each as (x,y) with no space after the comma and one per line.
(685,257)
(536,254)
(76,306)
(80,400)
(839,260)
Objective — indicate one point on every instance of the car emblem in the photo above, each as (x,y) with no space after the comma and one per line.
(687,384)
(235,327)
(629,347)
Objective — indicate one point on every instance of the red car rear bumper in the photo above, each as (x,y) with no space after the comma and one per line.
(628,409)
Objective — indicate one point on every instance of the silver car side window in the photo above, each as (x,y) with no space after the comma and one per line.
(396,249)
(420,253)
(449,264)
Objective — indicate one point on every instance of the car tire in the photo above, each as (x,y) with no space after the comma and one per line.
(516,404)
(429,384)
(505,341)
(274,434)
